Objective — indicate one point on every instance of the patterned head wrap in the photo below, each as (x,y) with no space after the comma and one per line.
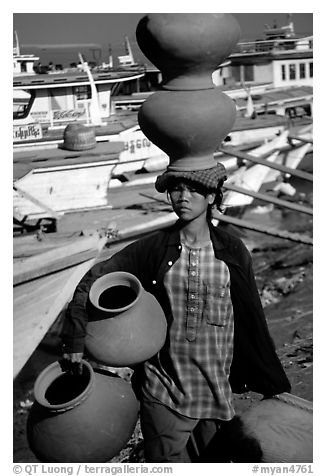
(208,178)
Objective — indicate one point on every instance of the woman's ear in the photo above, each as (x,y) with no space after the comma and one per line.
(211,198)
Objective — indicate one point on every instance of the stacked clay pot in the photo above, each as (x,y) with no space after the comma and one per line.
(75,419)
(189,117)
(126,323)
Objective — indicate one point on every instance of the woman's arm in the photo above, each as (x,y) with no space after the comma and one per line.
(130,259)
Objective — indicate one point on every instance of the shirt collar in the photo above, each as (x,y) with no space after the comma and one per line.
(174,236)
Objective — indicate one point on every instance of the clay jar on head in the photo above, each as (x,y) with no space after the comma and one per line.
(189,117)
(187,47)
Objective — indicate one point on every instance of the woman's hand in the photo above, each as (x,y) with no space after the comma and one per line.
(73,363)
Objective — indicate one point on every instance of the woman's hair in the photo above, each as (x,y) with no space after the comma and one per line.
(217,204)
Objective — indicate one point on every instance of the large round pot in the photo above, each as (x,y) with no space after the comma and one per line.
(75,419)
(77,137)
(187,47)
(188,125)
(283,427)
(126,323)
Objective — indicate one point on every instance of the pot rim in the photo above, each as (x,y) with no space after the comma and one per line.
(48,376)
(119,276)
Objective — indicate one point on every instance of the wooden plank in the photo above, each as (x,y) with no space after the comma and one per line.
(36,307)
(105,149)
(258,160)
(261,196)
(297,237)
(251,226)
(58,265)
(301,139)
(144,228)
(37,304)
(43,206)
(52,260)
(267,198)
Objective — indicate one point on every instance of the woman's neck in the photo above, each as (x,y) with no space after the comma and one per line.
(195,232)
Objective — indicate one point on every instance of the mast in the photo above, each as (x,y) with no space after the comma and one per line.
(94,108)
(16,46)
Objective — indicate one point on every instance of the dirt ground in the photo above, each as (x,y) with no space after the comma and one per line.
(284,274)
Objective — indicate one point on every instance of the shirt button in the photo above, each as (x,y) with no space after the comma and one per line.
(154,282)
(192,309)
(193,273)
(193,263)
(192,296)
(170,263)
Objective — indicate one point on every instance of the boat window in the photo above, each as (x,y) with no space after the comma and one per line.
(283,72)
(302,68)
(292,71)
(249,72)
(311,70)
(82,92)
(236,73)
(22,103)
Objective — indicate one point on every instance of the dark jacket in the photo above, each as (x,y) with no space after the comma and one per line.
(255,364)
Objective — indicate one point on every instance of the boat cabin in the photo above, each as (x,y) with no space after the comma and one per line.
(281,58)
(55,99)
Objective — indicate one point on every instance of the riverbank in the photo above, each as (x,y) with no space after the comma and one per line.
(284,275)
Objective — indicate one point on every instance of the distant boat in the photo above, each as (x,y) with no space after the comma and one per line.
(50,102)
(278,152)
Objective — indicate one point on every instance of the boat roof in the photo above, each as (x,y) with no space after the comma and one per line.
(73,78)
(278,95)
(273,49)
(43,158)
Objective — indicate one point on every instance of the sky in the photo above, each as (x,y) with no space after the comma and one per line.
(38,32)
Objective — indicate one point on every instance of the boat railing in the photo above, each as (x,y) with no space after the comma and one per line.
(277,44)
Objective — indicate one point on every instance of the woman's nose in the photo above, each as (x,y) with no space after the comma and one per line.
(184,194)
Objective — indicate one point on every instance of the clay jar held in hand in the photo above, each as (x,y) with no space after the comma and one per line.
(80,419)
(187,47)
(126,323)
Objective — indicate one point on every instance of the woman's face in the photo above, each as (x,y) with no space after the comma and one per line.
(189,200)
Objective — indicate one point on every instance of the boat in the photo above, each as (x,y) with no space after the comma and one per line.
(274,73)
(46,272)
(277,152)
(41,291)
(43,168)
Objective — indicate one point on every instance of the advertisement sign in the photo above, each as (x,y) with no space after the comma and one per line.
(64,115)
(27,132)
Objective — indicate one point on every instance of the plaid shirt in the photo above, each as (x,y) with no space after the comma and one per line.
(200,338)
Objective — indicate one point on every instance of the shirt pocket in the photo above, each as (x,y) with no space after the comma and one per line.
(217,304)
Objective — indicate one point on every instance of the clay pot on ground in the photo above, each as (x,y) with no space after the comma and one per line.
(283,427)
(75,419)
(126,323)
